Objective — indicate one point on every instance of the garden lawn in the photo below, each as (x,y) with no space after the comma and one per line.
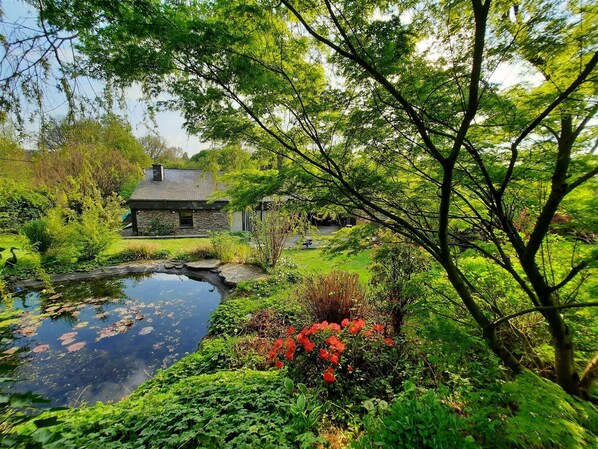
(314,261)
(12,240)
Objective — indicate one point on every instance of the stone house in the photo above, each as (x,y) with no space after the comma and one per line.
(178,202)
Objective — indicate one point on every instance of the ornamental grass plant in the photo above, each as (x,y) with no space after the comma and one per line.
(333,297)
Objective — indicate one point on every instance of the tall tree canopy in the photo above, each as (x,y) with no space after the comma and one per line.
(106,149)
(389,110)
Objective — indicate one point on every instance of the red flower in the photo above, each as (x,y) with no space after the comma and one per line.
(334,359)
(389,341)
(313,329)
(324,354)
(335,344)
(279,364)
(272,354)
(291,347)
(290,330)
(334,327)
(349,367)
(368,333)
(308,345)
(356,326)
(378,328)
(345,322)
(278,343)
(329,375)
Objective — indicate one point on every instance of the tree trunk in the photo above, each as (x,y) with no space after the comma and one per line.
(489,331)
(564,360)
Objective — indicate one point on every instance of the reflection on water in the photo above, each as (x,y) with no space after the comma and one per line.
(99,340)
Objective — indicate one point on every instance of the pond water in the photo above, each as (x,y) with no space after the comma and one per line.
(101,339)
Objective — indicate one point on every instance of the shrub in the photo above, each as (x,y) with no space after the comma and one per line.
(141,251)
(411,421)
(98,225)
(350,359)
(270,233)
(19,205)
(157,227)
(230,247)
(39,235)
(333,296)
(394,266)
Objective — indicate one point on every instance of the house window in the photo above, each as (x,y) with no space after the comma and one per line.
(186,219)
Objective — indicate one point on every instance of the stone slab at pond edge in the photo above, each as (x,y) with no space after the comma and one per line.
(208,264)
(233,273)
(122,270)
(230,273)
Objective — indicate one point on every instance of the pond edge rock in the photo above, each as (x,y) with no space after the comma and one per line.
(211,270)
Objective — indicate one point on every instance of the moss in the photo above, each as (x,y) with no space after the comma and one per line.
(546,417)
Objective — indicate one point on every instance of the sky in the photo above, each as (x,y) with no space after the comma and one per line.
(168,125)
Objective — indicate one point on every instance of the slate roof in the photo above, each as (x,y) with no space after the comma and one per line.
(178,185)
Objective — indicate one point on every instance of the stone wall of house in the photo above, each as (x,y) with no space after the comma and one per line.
(204,221)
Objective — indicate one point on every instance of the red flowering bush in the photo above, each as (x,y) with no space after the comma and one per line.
(351,355)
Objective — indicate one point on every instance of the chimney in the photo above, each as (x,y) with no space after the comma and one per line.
(158,170)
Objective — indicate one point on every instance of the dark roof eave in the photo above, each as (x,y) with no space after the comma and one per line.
(175,204)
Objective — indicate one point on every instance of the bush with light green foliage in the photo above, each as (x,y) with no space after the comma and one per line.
(80,228)
(414,421)
(19,205)
(39,236)
(231,246)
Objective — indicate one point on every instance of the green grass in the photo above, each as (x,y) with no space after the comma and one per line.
(173,246)
(313,261)
(7,241)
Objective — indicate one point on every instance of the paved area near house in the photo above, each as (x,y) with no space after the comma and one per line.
(318,239)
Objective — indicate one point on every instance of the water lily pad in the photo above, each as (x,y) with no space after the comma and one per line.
(68,336)
(40,348)
(26,331)
(76,346)
(146,330)
(52,309)
(68,341)
(81,325)
(11,350)
(107,332)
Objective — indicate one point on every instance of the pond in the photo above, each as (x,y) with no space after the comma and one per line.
(98,340)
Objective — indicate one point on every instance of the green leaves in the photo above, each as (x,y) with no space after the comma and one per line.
(223,410)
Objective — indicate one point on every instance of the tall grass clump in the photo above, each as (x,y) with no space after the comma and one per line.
(230,247)
(142,251)
(39,235)
(333,297)
(205,250)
